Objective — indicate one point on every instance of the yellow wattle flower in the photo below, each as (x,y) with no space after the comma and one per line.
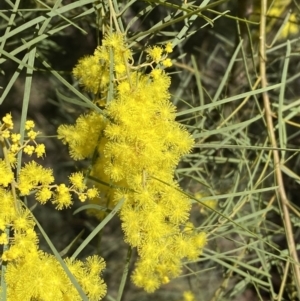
(138,145)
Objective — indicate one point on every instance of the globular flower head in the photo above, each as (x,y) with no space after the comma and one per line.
(32,175)
(89,72)
(84,136)
(24,220)
(15,138)
(40,150)
(137,147)
(155,53)
(43,195)
(93,71)
(6,174)
(7,120)
(62,197)
(169,47)
(29,124)
(77,180)
(167,62)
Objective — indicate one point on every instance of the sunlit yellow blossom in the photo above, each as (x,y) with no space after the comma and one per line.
(33,174)
(6,174)
(150,283)
(43,195)
(114,40)
(291,27)
(40,150)
(2,224)
(87,71)
(7,119)
(47,280)
(87,274)
(92,193)
(11,254)
(167,63)
(24,220)
(15,138)
(77,180)
(29,124)
(14,148)
(155,53)
(7,212)
(120,68)
(25,187)
(188,296)
(82,197)
(25,242)
(136,149)
(5,134)
(83,137)
(62,198)
(3,239)
(93,71)
(11,158)
(169,47)
(32,134)
(156,73)
(123,87)
(29,149)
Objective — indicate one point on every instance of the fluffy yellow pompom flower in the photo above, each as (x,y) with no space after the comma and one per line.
(43,195)
(167,63)
(62,198)
(40,276)
(188,296)
(40,150)
(33,174)
(83,136)
(92,193)
(93,71)
(29,149)
(155,53)
(77,180)
(15,138)
(291,27)
(6,175)
(89,70)
(3,239)
(277,11)
(138,147)
(7,212)
(169,47)
(7,119)
(29,124)
(23,220)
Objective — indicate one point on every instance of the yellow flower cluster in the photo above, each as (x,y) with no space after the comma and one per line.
(188,296)
(33,177)
(30,273)
(277,11)
(83,137)
(138,148)
(29,145)
(211,203)
(94,71)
